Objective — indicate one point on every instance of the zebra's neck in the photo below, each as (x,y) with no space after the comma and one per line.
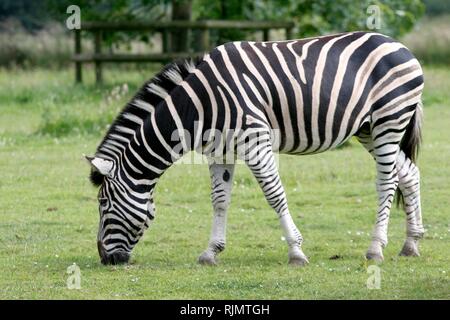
(138,165)
(150,133)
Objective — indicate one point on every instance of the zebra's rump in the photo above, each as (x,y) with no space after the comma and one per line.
(318,92)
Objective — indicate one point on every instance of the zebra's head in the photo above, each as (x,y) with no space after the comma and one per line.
(125,213)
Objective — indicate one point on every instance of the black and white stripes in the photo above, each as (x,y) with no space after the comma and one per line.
(250,99)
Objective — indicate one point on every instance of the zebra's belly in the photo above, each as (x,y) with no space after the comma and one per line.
(306,151)
(305,148)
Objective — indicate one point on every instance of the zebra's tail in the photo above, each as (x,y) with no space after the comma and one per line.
(411,141)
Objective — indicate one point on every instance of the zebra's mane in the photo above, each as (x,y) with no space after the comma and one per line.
(152,92)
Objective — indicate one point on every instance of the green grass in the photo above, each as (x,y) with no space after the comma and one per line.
(48,210)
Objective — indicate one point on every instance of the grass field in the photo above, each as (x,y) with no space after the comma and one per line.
(48,209)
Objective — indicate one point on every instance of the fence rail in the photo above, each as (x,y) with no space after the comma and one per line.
(165,28)
(181,24)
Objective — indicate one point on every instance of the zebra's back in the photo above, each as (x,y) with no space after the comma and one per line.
(319,91)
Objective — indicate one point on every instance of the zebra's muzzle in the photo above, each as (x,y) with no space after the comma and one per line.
(116,257)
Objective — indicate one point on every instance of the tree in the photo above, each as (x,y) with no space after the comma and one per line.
(181,10)
(316,17)
(437,7)
(31,14)
(224,10)
(116,10)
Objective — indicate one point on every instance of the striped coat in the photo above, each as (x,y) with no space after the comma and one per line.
(297,97)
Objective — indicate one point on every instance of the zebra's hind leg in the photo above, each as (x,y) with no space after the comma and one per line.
(383,146)
(259,157)
(409,185)
(221,184)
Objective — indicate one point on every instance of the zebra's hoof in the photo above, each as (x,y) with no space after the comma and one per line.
(207,258)
(374,256)
(410,249)
(299,261)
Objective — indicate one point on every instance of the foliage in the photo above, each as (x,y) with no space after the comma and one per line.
(223,10)
(117,10)
(104,10)
(397,17)
(31,14)
(315,17)
(437,7)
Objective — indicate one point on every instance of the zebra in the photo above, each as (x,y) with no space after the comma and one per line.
(316,93)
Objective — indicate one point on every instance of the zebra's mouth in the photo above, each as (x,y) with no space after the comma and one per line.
(113,258)
(118,257)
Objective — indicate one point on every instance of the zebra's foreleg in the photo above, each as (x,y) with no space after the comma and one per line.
(409,184)
(221,184)
(261,161)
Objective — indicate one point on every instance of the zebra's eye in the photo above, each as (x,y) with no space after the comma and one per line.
(103,202)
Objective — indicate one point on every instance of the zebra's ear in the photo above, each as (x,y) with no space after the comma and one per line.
(103,166)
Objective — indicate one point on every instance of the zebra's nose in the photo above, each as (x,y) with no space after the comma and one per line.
(117,257)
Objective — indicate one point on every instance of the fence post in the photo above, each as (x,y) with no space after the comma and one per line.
(266,34)
(289,33)
(78,65)
(166,40)
(98,50)
(204,39)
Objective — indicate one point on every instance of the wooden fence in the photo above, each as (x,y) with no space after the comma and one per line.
(165,28)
